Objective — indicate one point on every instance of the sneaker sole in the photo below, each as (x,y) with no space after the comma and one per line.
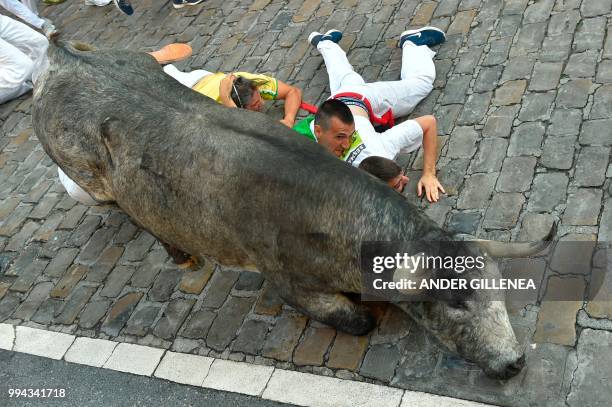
(177,6)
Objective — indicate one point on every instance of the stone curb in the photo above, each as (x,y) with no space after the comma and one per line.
(266,382)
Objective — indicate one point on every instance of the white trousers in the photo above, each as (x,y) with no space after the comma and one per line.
(76,192)
(25,10)
(188,79)
(21,50)
(416,82)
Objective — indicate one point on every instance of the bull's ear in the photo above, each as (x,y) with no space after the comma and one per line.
(415,274)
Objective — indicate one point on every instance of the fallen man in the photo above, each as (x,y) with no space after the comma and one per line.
(381,102)
(241,89)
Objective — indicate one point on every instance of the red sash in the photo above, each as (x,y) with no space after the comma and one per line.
(386,119)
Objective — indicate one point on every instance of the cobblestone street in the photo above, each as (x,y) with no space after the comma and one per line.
(523,98)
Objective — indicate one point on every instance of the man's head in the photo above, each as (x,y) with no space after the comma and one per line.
(334,126)
(387,170)
(246,95)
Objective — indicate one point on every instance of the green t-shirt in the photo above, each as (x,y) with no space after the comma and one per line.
(303,127)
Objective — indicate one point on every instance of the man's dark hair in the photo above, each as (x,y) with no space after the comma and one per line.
(242,90)
(381,167)
(333,108)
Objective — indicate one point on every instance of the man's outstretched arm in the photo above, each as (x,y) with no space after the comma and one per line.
(429,182)
(293,98)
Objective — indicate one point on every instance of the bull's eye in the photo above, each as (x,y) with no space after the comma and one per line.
(458,304)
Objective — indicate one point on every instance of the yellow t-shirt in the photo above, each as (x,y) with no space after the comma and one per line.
(209,85)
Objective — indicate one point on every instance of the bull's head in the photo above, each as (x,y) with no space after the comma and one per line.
(476,325)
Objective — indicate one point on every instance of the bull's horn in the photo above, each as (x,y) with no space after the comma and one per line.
(503,249)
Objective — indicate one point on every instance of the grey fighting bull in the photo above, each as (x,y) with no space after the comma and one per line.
(235,186)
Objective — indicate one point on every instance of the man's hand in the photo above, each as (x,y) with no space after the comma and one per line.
(225,90)
(430,183)
(288,122)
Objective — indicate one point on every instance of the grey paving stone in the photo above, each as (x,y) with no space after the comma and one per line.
(503,212)
(512,7)
(164,285)
(546,76)
(136,249)
(604,72)
(596,132)
(583,207)
(508,25)
(104,264)
(79,297)
(117,279)
(476,191)
(519,67)
(418,361)
(120,313)
(563,23)
(464,222)
(450,47)
(529,39)
(549,190)
(44,314)
(475,108)
(558,152)
(446,116)
(251,338)
(443,67)
(510,93)
(37,295)
(590,34)
(574,93)
(462,143)
(536,106)
(228,321)
(93,313)
(150,267)
(141,321)
(451,175)
(198,324)
(593,354)
(98,241)
(173,317)
(284,337)
(481,33)
(605,225)
(249,281)
(595,8)
(516,174)
(526,139)
(491,153)
(499,123)
(84,231)
(565,122)
(591,166)
(380,361)
(126,233)
(538,11)
(581,65)
(556,48)
(456,89)
(602,103)
(8,304)
(498,52)
(468,61)
(29,275)
(487,79)
(219,287)
(446,8)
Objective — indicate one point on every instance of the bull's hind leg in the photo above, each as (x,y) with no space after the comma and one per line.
(333,309)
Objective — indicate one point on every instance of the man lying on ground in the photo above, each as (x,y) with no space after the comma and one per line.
(241,89)
(385,170)
(379,103)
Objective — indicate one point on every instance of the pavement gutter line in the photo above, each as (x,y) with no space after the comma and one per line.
(432,397)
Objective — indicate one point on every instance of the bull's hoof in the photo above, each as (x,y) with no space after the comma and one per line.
(189,263)
(359,323)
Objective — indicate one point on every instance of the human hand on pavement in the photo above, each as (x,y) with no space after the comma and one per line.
(431,185)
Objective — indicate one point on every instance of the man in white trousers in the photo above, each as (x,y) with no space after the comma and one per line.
(379,103)
(22,51)
(27,11)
